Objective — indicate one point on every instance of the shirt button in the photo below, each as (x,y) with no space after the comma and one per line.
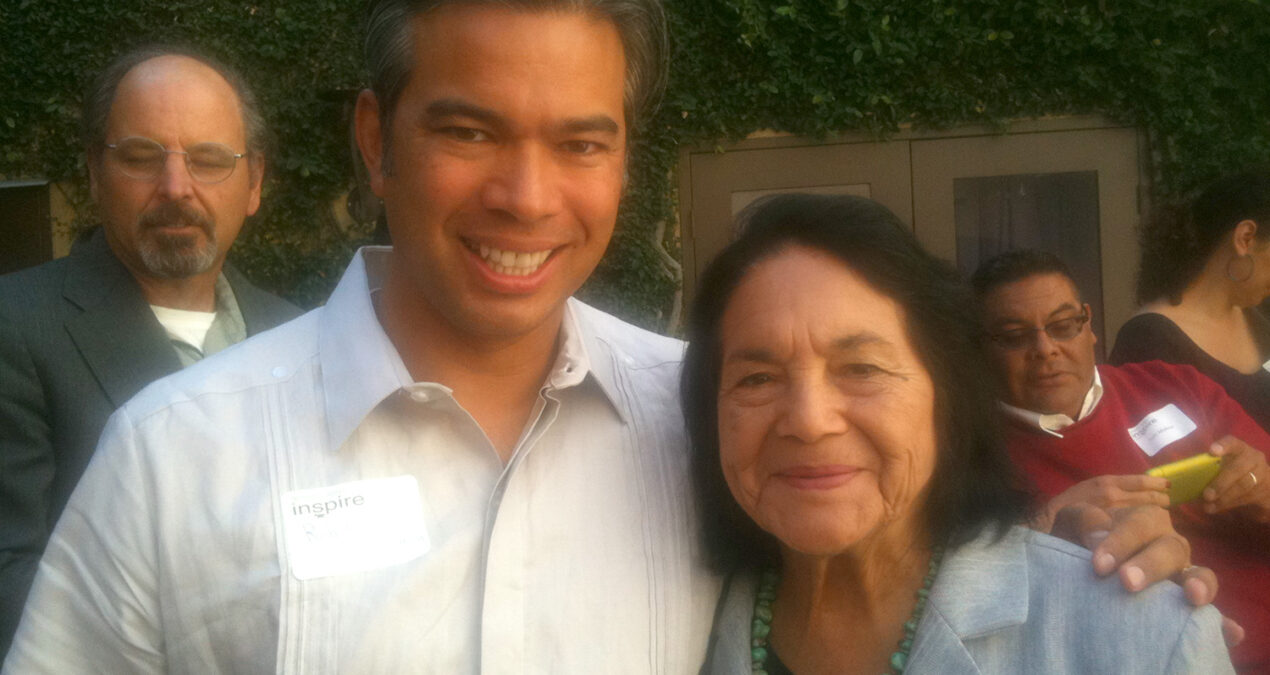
(279,371)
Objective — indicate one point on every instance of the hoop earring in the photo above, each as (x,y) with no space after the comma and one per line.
(1245,277)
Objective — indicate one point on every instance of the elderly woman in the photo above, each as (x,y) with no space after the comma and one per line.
(854,489)
(1204,271)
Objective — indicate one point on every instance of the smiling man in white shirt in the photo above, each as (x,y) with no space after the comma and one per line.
(452,466)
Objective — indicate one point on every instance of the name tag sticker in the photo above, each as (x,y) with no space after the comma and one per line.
(1160,428)
(354,527)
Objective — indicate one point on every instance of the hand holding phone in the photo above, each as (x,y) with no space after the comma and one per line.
(1188,477)
(1244,481)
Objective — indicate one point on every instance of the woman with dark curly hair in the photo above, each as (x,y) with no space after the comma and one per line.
(1204,271)
(853,487)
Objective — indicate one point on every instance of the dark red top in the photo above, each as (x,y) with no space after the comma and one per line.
(1234,546)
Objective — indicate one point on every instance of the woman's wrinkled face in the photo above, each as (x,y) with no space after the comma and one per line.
(826,415)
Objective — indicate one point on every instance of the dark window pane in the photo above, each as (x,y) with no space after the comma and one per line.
(1055,212)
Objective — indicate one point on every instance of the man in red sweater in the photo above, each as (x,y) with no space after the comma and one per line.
(1087,433)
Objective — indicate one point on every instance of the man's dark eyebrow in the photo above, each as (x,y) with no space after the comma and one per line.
(582,125)
(453,107)
(1005,321)
(1064,307)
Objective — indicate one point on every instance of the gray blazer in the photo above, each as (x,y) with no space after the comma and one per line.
(1029,603)
(77,340)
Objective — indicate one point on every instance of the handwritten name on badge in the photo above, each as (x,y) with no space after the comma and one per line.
(1160,428)
(354,527)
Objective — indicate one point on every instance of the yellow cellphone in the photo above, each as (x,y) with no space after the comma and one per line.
(1188,477)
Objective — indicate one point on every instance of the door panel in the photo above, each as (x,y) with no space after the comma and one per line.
(1080,203)
(1068,185)
(723,183)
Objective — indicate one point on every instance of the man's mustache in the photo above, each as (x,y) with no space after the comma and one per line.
(175,213)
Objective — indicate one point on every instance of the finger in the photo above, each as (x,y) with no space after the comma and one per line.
(1144,545)
(1142,483)
(1159,560)
(1234,451)
(1235,489)
(1144,498)
(1227,489)
(1118,490)
(1151,498)
(1199,584)
(1233,466)
(1240,483)
(1227,445)
(1232,632)
(1259,495)
(1086,525)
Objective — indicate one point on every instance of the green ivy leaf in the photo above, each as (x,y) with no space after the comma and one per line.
(738,66)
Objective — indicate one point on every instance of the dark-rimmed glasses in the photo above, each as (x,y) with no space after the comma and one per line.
(1061,330)
(143,158)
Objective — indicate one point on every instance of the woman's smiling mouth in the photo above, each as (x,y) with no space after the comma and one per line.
(817,477)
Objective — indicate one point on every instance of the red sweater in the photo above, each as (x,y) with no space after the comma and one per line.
(1236,548)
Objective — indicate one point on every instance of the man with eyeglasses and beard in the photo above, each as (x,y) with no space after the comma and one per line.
(1086,433)
(174,144)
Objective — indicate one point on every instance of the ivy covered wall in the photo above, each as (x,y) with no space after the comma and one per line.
(297,55)
(1195,74)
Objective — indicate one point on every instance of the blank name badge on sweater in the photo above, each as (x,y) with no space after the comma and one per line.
(1160,428)
(354,527)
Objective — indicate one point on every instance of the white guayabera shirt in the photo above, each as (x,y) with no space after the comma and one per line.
(299,504)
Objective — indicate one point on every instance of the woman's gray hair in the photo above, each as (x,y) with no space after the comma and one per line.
(100,97)
(640,23)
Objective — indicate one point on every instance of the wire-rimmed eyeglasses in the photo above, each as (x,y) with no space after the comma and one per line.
(143,158)
(1061,330)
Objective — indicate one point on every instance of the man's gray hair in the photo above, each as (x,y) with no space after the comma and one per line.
(640,23)
(100,97)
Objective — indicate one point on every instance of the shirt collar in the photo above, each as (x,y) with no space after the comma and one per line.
(361,367)
(572,361)
(581,338)
(1052,424)
(226,302)
(228,328)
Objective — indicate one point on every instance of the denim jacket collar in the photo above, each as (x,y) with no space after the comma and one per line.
(981,589)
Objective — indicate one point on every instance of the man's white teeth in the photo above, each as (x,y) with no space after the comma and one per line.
(513,263)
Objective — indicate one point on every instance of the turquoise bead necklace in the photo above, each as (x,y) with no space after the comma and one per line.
(761,628)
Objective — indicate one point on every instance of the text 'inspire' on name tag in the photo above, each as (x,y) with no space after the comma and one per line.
(354,527)
(1160,428)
